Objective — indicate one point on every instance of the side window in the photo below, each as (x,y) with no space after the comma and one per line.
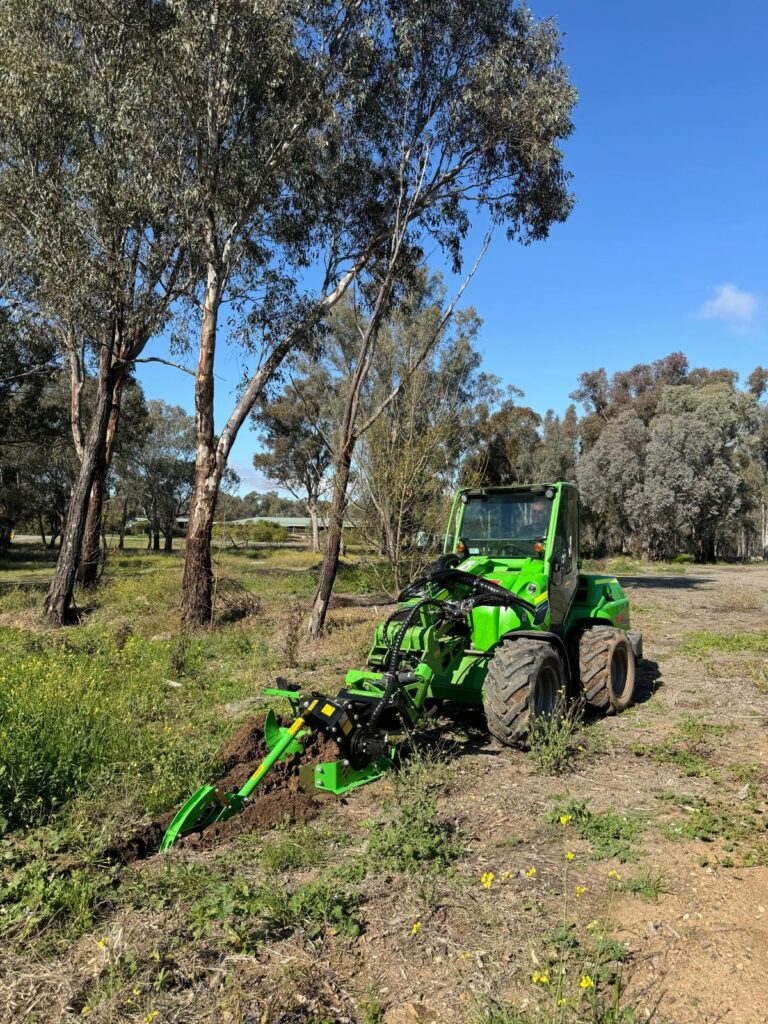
(566,541)
(573,531)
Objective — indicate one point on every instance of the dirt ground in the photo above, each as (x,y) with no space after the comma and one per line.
(448,949)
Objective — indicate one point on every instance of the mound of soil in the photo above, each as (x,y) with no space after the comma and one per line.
(277,798)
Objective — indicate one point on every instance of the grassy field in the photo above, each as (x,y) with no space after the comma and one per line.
(617,872)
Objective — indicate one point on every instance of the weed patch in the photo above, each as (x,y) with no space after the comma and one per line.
(686,748)
(609,833)
(704,642)
(552,741)
(415,840)
(741,831)
(647,885)
(245,915)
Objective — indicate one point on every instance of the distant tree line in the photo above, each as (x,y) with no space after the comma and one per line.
(670,461)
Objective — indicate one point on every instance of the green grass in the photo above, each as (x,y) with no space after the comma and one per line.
(741,831)
(293,848)
(703,642)
(414,840)
(687,748)
(647,885)
(610,834)
(244,915)
(79,709)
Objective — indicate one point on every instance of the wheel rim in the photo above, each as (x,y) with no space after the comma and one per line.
(547,686)
(618,671)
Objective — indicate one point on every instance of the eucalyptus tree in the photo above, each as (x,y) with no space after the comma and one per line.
(164,468)
(343,137)
(296,429)
(408,459)
(87,229)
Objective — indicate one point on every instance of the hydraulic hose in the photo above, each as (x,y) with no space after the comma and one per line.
(394,656)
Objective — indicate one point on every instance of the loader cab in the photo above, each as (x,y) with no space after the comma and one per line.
(515,523)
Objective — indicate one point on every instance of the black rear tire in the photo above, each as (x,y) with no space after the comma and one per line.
(525,681)
(606,668)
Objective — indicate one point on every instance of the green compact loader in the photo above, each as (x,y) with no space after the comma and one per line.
(504,619)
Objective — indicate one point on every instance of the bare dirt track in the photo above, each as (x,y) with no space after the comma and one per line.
(687,898)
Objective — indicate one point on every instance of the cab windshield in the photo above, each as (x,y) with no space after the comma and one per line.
(505,525)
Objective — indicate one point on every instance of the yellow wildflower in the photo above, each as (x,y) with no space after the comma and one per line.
(465,955)
(416,928)
(614,875)
(586,981)
(540,978)
(592,925)
(102,943)
(85,1011)
(580,890)
(564,819)
(506,875)
(570,855)
(487,879)
(156,1013)
(530,873)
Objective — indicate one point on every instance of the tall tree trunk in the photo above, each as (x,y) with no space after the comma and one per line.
(58,600)
(313,518)
(89,561)
(333,542)
(197,583)
(168,548)
(156,538)
(41,526)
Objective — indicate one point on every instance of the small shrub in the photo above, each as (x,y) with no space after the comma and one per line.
(552,739)
(648,885)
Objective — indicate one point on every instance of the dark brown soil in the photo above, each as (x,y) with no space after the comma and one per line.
(279,798)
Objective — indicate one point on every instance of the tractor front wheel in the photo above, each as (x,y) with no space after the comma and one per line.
(606,668)
(525,678)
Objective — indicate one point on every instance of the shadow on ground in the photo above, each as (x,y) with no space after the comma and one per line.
(664,582)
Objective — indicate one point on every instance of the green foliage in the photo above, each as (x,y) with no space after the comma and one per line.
(415,840)
(647,884)
(246,915)
(743,829)
(296,847)
(609,833)
(33,898)
(552,739)
(77,709)
(705,642)
(686,748)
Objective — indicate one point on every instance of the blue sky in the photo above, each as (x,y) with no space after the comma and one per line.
(666,247)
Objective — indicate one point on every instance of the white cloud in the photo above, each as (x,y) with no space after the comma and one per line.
(732,306)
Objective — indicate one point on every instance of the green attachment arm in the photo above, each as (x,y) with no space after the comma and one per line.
(280,747)
(209,805)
